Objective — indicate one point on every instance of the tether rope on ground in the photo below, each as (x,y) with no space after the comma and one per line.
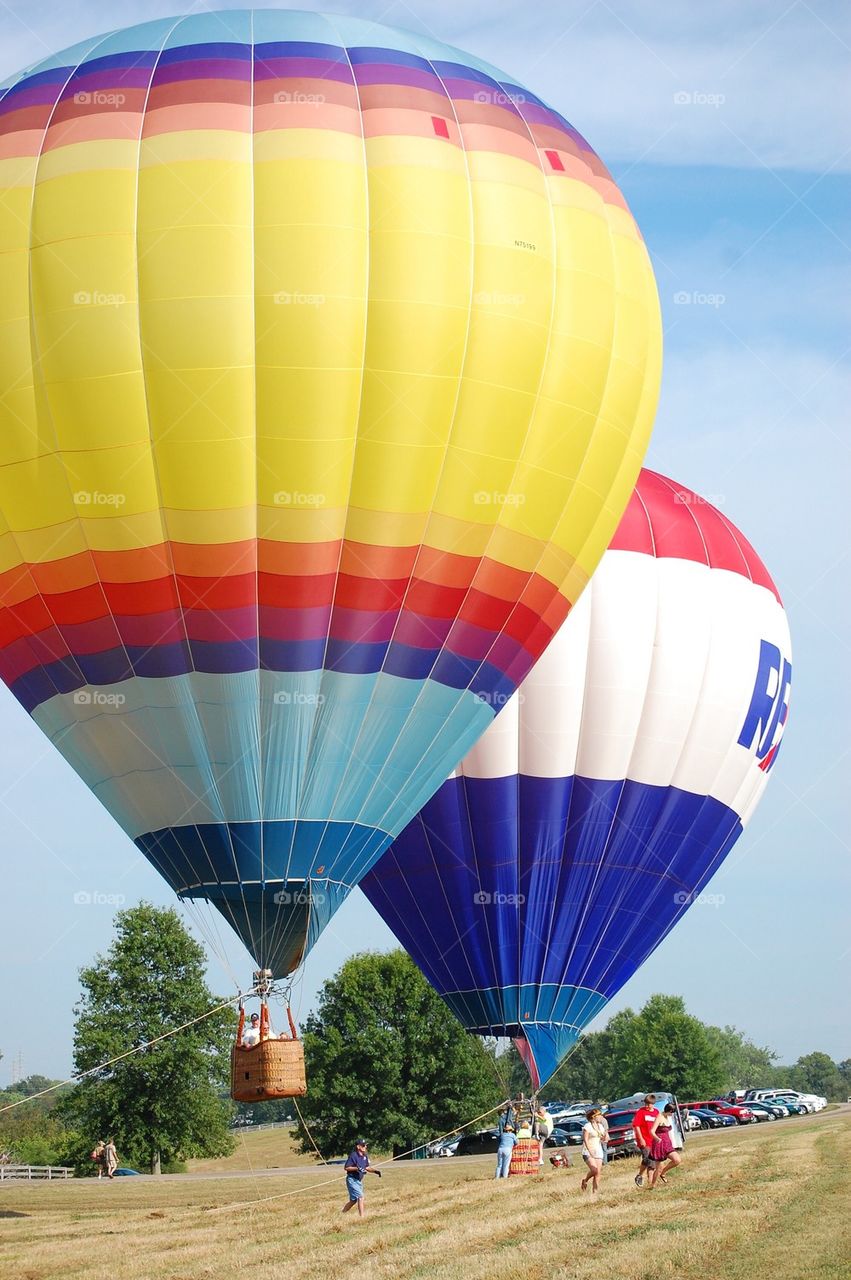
(329,1182)
(140,1048)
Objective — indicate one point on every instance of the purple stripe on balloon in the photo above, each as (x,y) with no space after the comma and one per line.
(294,624)
(422,632)
(104,80)
(203,69)
(302,69)
(410,77)
(40,95)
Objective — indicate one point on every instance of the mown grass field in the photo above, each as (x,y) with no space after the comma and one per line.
(768,1201)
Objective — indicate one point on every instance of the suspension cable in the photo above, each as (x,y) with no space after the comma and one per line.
(139,1048)
(282,1195)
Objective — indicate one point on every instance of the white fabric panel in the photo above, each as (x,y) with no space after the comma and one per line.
(620,658)
(552,702)
(650,678)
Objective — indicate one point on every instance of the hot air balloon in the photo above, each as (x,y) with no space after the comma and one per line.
(608,791)
(328,359)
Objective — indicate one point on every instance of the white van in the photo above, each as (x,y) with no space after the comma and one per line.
(808,1100)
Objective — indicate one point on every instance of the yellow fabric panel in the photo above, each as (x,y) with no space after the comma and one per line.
(505,215)
(311,280)
(301,523)
(397,151)
(433,202)
(195,193)
(197,325)
(320,192)
(298,403)
(89,157)
(99,203)
(305,145)
(99,413)
(314,473)
(405,407)
(220,475)
(397,477)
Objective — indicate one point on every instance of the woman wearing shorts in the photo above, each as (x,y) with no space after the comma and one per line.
(592,1149)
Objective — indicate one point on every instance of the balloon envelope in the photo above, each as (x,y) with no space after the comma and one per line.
(329,357)
(599,803)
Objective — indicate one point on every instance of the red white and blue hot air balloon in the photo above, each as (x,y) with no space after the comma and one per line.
(608,791)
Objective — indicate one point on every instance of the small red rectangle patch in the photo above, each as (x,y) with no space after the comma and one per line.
(555,160)
(440,126)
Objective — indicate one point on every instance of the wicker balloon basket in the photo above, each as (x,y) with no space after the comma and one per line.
(270,1069)
(526,1157)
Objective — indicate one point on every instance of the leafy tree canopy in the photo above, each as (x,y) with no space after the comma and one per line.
(166,1102)
(386,1059)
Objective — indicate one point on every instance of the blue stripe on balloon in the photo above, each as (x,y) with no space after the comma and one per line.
(182,657)
(543,885)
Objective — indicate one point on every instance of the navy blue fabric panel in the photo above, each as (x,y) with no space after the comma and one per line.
(507,890)
(275,883)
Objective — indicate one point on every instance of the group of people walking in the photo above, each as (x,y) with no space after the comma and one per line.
(653,1131)
(653,1136)
(105,1157)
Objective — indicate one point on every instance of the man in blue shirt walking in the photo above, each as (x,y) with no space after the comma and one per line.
(357,1164)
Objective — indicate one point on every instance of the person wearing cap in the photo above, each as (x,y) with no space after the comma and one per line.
(357,1164)
(251,1034)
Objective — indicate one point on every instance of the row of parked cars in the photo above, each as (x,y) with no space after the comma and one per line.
(741,1107)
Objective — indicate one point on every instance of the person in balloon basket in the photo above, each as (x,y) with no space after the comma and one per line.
(357,1164)
(251,1034)
(507,1143)
(643,1122)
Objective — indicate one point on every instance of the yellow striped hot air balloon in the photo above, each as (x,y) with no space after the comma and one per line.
(328,360)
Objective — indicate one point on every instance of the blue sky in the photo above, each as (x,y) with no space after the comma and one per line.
(723,125)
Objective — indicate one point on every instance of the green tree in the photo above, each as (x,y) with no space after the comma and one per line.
(817,1073)
(744,1065)
(386,1058)
(166,1102)
(666,1048)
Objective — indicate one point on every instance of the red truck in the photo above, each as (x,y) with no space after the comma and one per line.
(740,1112)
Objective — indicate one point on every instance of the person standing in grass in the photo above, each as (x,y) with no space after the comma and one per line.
(357,1164)
(662,1147)
(642,1124)
(592,1149)
(505,1150)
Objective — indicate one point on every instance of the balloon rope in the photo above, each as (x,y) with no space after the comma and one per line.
(282,1195)
(306,1128)
(140,1048)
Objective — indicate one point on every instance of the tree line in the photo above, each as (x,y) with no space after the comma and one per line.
(384,1056)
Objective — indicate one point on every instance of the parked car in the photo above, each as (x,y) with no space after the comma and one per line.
(572,1130)
(792,1108)
(710,1119)
(483,1143)
(763,1111)
(740,1113)
(446,1146)
(809,1101)
(690,1120)
(563,1137)
(759,1112)
(621,1133)
(121,1172)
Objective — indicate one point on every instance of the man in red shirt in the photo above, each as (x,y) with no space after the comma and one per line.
(642,1124)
